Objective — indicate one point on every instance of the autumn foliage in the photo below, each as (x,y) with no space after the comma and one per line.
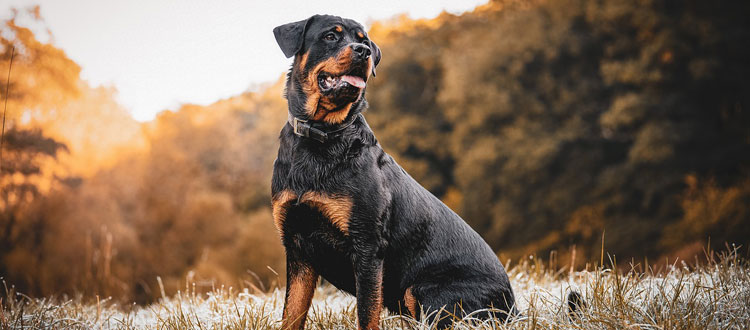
(545,124)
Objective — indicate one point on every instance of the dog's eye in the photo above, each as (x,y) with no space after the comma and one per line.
(330,36)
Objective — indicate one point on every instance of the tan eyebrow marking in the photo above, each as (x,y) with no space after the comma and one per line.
(361,35)
(339,28)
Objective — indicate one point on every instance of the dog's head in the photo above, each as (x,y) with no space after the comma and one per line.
(333,60)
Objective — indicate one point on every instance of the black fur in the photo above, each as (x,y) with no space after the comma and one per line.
(289,37)
(399,235)
(576,305)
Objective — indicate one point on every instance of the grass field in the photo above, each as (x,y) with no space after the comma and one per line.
(715,295)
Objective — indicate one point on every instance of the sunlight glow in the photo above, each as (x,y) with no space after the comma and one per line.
(161,54)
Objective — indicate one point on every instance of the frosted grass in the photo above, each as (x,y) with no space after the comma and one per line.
(714,296)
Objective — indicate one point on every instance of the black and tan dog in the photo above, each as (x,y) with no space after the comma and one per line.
(347,212)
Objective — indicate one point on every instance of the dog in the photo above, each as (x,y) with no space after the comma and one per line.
(347,212)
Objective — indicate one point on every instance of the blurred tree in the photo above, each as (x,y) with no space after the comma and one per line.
(554,121)
(184,197)
(543,123)
(22,182)
(43,77)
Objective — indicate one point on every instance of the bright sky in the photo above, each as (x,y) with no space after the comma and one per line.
(163,53)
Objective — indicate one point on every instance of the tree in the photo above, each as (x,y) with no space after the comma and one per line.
(551,119)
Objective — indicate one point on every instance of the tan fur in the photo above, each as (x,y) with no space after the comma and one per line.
(318,107)
(411,302)
(301,290)
(279,204)
(336,208)
(336,116)
(374,323)
(302,61)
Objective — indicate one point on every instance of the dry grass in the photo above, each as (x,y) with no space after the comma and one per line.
(713,296)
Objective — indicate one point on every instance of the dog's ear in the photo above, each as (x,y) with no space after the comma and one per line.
(290,36)
(375,56)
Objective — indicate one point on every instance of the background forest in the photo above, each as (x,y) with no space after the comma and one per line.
(545,124)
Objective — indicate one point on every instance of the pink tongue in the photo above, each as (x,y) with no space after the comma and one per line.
(354,81)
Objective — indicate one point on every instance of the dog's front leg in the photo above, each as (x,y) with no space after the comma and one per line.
(369,280)
(301,280)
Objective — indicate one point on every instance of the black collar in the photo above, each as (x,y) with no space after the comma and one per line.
(305,128)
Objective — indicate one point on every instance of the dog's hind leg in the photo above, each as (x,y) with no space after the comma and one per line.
(460,298)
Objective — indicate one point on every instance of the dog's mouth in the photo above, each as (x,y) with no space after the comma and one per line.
(329,82)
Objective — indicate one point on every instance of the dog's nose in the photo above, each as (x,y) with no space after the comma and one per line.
(361,50)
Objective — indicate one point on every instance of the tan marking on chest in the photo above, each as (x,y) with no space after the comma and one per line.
(336,208)
(279,205)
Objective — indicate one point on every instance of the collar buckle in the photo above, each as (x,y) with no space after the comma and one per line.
(301,130)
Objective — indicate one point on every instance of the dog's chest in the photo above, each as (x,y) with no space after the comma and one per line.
(316,226)
(311,212)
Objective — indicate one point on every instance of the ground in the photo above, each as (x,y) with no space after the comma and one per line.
(715,295)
